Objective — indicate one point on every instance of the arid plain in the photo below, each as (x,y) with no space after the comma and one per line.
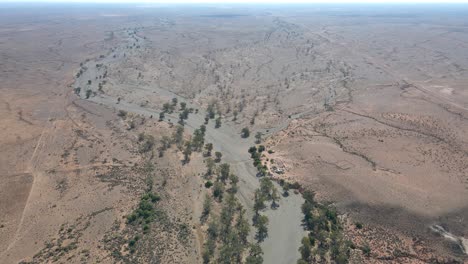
(367,106)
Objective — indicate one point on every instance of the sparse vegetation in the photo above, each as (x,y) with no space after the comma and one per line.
(258,138)
(147,144)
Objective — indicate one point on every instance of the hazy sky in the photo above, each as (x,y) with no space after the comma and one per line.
(245,1)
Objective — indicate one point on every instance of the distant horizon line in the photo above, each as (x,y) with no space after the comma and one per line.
(243,2)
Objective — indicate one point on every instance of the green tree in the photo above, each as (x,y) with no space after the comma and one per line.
(207,204)
(218,122)
(218,156)
(198,140)
(261,148)
(305,249)
(231,250)
(274,198)
(211,111)
(161,116)
(184,115)
(266,187)
(224,172)
(243,227)
(178,135)
(210,166)
(258,138)
(165,144)
(166,107)
(227,214)
(208,148)
(235,115)
(203,129)
(210,245)
(366,250)
(255,255)
(77,90)
(218,190)
(259,201)
(187,151)
(174,102)
(262,228)
(286,188)
(234,180)
(245,133)
(183,105)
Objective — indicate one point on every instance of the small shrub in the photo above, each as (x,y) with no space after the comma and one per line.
(366,250)
(208,184)
(131,243)
(261,148)
(122,113)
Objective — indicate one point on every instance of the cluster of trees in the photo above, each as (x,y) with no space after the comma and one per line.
(178,136)
(211,112)
(197,143)
(144,214)
(227,234)
(266,193)
(168,107)
(228,230)
(325,233)
(225,181)
(256,154)
(287,186)
(183,116)
(145,211)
